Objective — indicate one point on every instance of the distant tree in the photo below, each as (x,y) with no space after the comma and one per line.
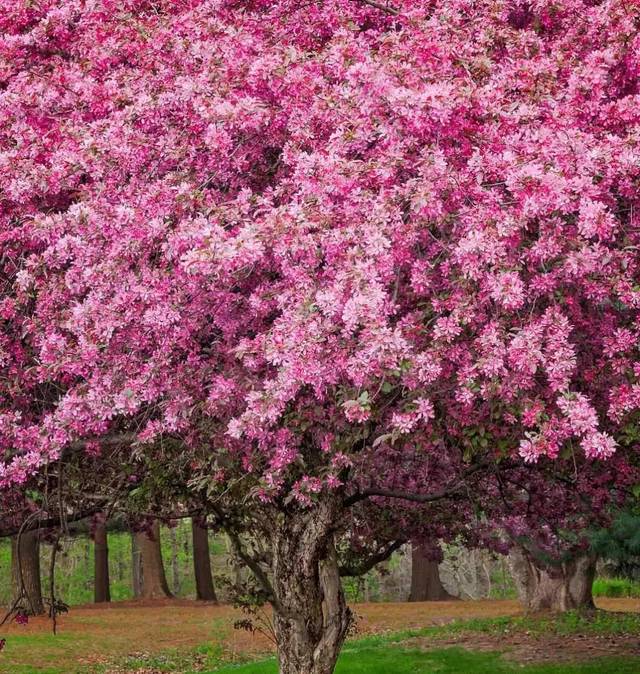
(202,562)
(425,576)
(102,590)
(154,580)
(25,573)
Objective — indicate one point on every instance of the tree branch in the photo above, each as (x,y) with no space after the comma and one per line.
(383,8)
(412,496)
(53,521)
(372,561)
(252,563)
(404,495)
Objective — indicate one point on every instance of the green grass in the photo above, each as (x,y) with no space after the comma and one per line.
(51,649)
(172,660)
(394,660)
(395,653)
(616,587)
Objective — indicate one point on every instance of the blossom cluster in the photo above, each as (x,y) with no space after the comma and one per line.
(285,220)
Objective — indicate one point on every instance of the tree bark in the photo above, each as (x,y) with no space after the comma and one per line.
(560,588)
(205,590)
(311,615)
(175,567)
(154,580)
(25,572)
(425,578)
(101,587)
(136,567)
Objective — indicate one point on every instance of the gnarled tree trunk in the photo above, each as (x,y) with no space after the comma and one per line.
(154,580)
(101,589)
(202,563)
(311,615)
(25,572)
(560,588)
(425,578)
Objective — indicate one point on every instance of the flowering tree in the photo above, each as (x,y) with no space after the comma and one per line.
(545,517)
(321,253)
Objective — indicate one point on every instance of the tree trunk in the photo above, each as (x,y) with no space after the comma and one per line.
(154,580)
(101,589)
(202,563)
(425,578)
(560,588)
(311,616)
(136,567)
(175,569)
(25,573)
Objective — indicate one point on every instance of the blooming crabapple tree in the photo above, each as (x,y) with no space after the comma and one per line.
(341,250)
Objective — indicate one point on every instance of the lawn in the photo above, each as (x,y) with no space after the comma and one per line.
(436,638)
(387,659)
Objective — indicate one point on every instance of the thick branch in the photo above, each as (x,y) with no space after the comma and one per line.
(257,571)
(53,521)
(372,561)
(451,492)
(383,8)
(250,561)
(119,439)
(404,495)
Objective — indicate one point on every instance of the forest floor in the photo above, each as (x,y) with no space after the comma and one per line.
(184,636)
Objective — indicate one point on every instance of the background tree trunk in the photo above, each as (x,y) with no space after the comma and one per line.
(136,567)
(30,562)
(202,563)
(154,580)
(425,578)
(559,588)
(101,588)
(175,567)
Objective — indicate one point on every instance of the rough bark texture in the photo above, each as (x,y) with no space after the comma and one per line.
(202,563)
(559,588)
(311,616)
(101,587)
(425,578)
(154,580)
(29,563)
(136,567)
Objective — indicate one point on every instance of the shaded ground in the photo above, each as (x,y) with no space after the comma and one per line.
(89,635)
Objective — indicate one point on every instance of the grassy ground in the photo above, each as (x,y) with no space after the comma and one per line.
(386,660)
(394,638)
(616,587)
